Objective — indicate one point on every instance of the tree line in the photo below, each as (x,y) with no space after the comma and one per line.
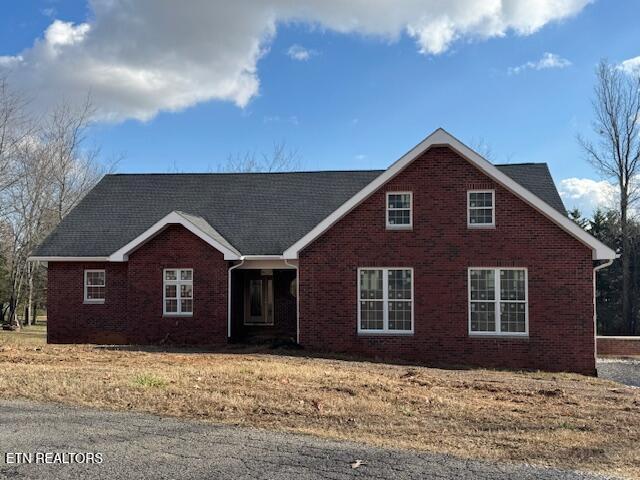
(604,224)
(46,167)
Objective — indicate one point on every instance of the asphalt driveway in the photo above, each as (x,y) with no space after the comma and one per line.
(149,447)
(620,370)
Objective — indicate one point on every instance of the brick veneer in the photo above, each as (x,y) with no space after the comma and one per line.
(618,346)
(440,248)
(132,312)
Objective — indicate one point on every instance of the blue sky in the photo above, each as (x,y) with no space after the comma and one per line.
(359,100)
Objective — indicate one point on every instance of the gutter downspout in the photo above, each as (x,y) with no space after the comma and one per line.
(286,262)
(595,313)
(229,297)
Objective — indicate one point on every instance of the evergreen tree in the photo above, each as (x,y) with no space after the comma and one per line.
(577,217)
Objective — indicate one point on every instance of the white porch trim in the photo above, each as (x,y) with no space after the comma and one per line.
(196,225)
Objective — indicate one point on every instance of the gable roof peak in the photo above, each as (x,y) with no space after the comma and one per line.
(440,137)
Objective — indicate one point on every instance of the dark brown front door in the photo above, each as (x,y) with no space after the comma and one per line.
(258,298)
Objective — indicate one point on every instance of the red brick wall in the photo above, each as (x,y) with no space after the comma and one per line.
(440,248)
(618,346)
(132,312)
(70,320)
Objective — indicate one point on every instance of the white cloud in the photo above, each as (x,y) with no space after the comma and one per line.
(140,58)
(292,119)
(587,194)
(548,60)
(48,12)
(298,52)
(8,61)
(632,65)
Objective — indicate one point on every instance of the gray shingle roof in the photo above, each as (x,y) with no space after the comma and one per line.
(536,178)
(259,214)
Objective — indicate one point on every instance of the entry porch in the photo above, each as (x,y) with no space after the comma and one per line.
(263,303)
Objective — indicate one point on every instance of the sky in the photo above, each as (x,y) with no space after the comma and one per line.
(348,85)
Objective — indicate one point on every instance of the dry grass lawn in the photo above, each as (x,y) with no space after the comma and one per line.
(561,420)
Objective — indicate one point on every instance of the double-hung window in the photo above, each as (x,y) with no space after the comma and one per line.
(481,208)
(385,300)
(94,286)
(178,291)
(399,210)
(498,301)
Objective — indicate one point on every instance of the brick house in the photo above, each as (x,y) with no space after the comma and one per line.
(442,258)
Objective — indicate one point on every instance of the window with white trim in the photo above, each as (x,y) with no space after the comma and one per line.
(178,291)
(481,208)
(498,301)
(94,286)
(399,210)
(385,300)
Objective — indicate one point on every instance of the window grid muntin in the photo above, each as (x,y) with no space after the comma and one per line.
(399,210)
(369,309)
(478,208)
(503,309)
(95,292)
(178,282)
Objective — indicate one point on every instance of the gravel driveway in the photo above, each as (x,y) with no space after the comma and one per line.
(619,370)
(149,447)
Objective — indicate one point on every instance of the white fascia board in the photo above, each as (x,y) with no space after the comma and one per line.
(440,137)
(121,255)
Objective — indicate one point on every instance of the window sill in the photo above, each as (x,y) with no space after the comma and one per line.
(258,324)
(385,334)
(476,226)
(401,228)
(170,315)
(505,336)
(93,302)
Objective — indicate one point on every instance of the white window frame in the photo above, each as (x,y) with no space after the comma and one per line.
(493,209)
(385,304)
(497,301)
(177,282)
(394,226)
(86,286)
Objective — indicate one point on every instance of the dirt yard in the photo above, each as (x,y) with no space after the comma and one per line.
(559,420)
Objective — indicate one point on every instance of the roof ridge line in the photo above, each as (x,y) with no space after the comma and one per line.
(520,163)
(239,173)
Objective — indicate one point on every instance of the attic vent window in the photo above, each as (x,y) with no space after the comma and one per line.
(399,210)
(480,208)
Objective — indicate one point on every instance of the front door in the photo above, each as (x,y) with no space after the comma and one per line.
(258,298)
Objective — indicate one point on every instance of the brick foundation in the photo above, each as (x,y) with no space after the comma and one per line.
(618,346)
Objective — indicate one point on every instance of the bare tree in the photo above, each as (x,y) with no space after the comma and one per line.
(484,148)
(616,153)
(280,159)
(27,203)
(74,167)
(51,169)
(15,128)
